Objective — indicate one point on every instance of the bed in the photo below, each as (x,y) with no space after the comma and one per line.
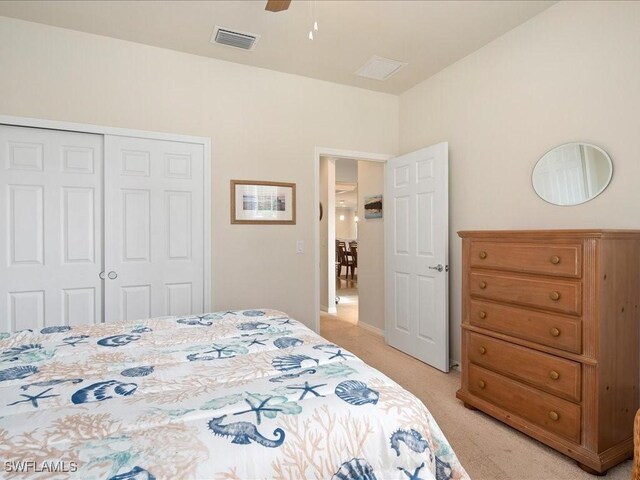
(229,395)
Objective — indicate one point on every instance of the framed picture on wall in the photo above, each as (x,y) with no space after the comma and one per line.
(254,202)
(373,206)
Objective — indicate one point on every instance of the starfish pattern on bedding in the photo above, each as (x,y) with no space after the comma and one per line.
(306,388)
(73,341)
(33,398)
(221,350)
(414,475)
(259,407)
(339,354)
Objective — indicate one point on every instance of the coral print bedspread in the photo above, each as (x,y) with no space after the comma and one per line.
(248,394)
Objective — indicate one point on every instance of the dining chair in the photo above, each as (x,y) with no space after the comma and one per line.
(347,261)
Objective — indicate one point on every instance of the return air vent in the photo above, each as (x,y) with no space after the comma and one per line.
(380,68)
(233,38)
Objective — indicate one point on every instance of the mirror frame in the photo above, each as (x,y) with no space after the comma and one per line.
(607,156)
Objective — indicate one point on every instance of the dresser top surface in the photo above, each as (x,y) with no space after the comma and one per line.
(596,233)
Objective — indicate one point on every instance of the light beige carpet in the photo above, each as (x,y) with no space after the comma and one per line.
(486,448)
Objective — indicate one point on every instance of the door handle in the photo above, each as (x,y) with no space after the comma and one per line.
(101,275)
(438,267)
(112,275)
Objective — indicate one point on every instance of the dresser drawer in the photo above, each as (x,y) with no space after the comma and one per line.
(547,372)
(554,414)
(557,260)
(544,328)
(556,295)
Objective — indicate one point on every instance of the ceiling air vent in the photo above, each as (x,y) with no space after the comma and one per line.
(379,68)
(233,38)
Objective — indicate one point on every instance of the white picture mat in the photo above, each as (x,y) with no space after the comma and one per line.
(261,194)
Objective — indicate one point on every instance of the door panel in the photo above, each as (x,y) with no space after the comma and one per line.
(78,225)
(135,302)
(154,219)
(179,298)
(51,228)
(26,224)
(136,225)
(79,306)
(416,246)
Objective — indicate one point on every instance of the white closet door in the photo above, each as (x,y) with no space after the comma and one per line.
(50,228)
(154,228)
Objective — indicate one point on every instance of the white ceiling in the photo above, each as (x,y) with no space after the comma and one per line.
(347,199)
(429,35)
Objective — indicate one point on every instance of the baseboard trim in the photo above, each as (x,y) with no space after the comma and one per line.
(372,329)
(331,310)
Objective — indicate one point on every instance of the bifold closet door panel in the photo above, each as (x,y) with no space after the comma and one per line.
(154,228)
(50,228)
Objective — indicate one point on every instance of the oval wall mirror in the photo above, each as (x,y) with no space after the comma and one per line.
(572,173)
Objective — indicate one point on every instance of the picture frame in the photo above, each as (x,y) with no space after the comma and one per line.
(373,206)
(255,202)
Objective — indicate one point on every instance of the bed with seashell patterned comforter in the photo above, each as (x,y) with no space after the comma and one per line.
(230,395)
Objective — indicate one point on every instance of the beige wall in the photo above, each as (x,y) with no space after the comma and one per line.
(570,74)
(370,248)
(264,125)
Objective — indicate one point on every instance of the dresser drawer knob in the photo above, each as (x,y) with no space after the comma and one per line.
(482,285)
(554,416)
(483,350)
(555,332)
(555,296)
(481,384)
(482,314)
(555,260)
(482,254)
(553,375)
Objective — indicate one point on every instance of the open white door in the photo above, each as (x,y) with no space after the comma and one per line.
(417,256)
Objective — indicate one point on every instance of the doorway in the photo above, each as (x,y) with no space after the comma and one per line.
(410,304)
(350,246)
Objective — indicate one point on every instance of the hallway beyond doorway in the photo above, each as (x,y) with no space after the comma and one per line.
(347,307)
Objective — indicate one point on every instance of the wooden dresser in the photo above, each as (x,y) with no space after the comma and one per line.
(551,337)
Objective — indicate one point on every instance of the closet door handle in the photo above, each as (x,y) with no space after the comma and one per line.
(101,275)
(112,275)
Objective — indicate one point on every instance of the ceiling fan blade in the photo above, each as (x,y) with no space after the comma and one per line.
(277,5)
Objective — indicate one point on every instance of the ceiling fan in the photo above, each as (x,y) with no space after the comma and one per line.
(277,5)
